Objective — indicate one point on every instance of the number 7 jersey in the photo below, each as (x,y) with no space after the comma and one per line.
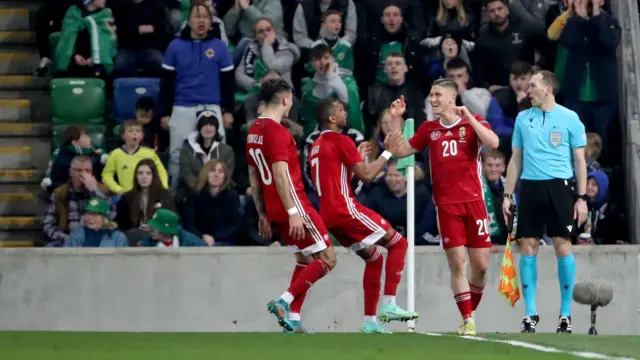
(454,159)
(267,143)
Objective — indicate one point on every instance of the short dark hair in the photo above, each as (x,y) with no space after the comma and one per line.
(130,124)
(550,79)
(271,88)
(395,54)
(391,3)
(457,63)
(520,68)
(330,12)
(73,133)
(324,110)
(145,103)
(447,83)
(320,50)
(487,2)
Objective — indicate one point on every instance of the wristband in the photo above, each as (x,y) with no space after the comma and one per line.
(584,197)
(386,154)
(292,211)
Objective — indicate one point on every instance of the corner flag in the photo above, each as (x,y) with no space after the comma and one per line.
(407,131)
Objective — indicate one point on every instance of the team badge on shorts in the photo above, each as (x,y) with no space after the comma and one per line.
(555,138)
(463,133)
(210,53)
(435,135)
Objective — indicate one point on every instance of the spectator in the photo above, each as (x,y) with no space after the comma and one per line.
(241,18)
(493,166)
(264,54)
(500,43)
(87,45)
(586,67)
(166,232)
(511,99)
(478,100)
(48,21)
(329,35)
(199,148)
(217,25)
(122,161)
(592,152)
(389,199)
(307,27)
(449,48)
(198,74)
(76,142)
(153,136)
(213,210)
(392,37)
(395,85)
(142,37)
(532,12)
(452,18)
(329,81)
(372,10)
(605,224)
(96,229)
(68,201)
(139,204)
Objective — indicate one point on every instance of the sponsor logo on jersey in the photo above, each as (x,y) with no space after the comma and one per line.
(435,135)
(462,133)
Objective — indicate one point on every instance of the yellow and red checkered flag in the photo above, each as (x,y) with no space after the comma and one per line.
(509,287)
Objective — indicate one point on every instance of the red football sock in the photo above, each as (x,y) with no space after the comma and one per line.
(463,300)
(315,271)
(371,283)
(397,251)
(476,295)
(296,304)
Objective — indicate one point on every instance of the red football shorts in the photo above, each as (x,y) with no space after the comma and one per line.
(363,228)
(464,224)
(316,237)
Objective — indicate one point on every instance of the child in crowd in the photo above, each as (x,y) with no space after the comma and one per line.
(122,161)
(155,137)
(592,152)
(76,142)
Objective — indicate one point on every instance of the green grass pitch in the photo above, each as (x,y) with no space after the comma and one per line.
(321,346)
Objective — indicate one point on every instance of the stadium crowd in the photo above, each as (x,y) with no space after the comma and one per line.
(176,174)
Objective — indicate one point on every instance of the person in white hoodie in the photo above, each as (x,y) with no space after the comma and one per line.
(200,146)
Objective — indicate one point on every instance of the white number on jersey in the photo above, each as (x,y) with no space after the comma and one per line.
(258,158)
(450,148)
(315,163)
(483,227)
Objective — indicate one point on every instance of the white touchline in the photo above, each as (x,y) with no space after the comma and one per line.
(549,349)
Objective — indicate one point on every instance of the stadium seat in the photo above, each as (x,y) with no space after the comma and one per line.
(96,133)
(127,91)
(77,101)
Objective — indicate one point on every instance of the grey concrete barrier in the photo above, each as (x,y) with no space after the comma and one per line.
(226,289)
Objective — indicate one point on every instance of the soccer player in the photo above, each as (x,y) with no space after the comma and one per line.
(279,196)
(334,159)
(455,140)
(548,150)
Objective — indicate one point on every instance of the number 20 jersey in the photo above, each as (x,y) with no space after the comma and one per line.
(454,159)
(268,142)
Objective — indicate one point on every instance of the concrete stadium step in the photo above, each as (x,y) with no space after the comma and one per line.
(14,19)
(25,130)
(18,62)
(15,110)
(16,153)
(21,200)
(24,82)
(16,239)
(17,37)
(13,223)
(21,176)
(39,107)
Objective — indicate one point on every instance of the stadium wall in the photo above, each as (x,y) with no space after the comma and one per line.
(226,289)
(629,90)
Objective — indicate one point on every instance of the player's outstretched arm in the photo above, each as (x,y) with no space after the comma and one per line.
(396,145)
(256,191)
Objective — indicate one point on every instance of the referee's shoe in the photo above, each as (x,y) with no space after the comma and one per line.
(529,324)
(564,325)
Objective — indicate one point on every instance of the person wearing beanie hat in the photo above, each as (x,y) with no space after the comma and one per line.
(96,229)
(167,232)
(200,146)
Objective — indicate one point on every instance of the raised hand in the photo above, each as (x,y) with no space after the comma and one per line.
(398,107)
(392,141)
(364,149)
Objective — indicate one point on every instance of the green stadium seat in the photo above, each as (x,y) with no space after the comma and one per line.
(54,38)
(77,101)
(96,133)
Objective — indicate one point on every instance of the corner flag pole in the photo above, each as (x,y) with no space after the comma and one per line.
(406,167)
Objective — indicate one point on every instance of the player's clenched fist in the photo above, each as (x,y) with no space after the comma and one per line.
(296,227)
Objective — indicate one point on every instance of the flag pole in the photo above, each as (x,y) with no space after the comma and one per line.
(411,239)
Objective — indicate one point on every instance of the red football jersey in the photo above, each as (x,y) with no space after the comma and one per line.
(454,158)
(331,159)
(267,143)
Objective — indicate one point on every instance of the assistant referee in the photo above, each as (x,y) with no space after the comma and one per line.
(548,149)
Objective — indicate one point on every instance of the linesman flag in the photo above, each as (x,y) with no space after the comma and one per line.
(508,286)
(407,133)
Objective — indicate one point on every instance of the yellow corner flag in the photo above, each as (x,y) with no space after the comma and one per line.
(509,287)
